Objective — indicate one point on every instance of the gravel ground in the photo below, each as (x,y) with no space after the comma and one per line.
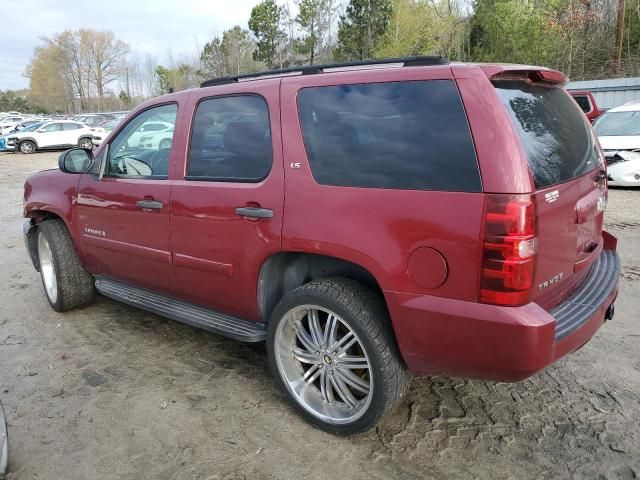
(113,392)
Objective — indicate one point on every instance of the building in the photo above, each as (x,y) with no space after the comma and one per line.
(611,92)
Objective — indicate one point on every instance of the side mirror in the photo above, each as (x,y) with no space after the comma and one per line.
(76,160)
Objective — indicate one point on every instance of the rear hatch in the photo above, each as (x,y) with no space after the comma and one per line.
(568,172)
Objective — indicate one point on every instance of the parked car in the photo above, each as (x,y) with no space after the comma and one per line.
(419,217)
(4,444)
(157,140)
(587,103)
(51,136)
(103,129)
(618,131)
(8,123)
(21,126)
(92,119)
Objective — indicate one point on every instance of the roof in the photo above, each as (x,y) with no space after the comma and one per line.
(627,107)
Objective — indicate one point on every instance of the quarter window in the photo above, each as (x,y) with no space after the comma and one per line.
(231,140)
(399,135)
(140,153)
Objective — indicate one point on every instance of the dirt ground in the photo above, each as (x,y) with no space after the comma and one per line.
(113,392)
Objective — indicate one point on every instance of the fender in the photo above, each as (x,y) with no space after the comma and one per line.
(52,192)
(22,139)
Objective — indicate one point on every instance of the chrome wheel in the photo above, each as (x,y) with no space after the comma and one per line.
(323,364)
(47,268)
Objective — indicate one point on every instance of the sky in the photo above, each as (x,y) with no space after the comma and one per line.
(148,26)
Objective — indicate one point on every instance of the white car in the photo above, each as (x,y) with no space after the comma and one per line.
(157,140)
(52,135)
(8,123)
(618,131)
(149,130)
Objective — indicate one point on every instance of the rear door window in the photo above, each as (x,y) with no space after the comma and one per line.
(555,135)
(231,140)
(583,102)
(400,135)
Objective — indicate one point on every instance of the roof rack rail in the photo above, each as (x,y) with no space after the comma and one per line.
(417,61)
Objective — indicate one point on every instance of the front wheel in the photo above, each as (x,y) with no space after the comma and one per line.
(27,147)
(66,282)
(333,353)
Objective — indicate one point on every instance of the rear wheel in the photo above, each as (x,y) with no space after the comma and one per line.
(334,355)
(85,143)
(67,284)
(27,147)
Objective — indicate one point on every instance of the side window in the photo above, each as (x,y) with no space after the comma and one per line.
(70,126)
(52,127)
(231,140)
(139,153)
(401,135)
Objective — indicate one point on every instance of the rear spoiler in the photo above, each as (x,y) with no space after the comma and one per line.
(518,72)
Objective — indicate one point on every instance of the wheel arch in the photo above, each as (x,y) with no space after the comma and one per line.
(27,139)
(285,271)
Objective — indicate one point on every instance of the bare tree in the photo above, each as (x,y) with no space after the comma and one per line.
(107,56)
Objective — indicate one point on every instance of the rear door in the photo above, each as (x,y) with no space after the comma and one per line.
(570,189)
(226,212)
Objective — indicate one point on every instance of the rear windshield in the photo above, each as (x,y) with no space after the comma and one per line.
(554,133)
(583,102)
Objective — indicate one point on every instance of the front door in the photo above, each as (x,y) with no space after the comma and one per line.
(227,212)
(123,215)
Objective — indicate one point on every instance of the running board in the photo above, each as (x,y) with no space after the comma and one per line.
(200,317)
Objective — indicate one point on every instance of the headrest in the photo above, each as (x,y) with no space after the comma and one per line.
(245,138)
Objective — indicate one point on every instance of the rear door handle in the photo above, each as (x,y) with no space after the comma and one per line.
(254,212)
(149,204)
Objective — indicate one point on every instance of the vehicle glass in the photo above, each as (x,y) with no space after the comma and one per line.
(583,102)
(155,127)
(618,124)
(400,135)
(32,127)
(555,135)
(130,156)
(52,127)
(71,126)
(231,140)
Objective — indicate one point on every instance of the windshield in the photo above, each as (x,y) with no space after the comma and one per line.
(32,127)
(618,124)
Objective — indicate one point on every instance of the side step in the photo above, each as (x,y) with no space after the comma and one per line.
(200,317)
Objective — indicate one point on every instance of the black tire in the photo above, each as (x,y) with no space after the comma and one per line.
(27,147)
(366,314)
(85,143)
(74,285)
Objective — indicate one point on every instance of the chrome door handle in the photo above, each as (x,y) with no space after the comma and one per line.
(254,212)
(149,204)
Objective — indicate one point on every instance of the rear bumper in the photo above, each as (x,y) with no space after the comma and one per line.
(474,340)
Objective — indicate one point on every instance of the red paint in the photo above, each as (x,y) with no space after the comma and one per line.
(594,112)
(424,248)
(427,267)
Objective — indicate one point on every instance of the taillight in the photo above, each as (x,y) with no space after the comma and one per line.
(509,250)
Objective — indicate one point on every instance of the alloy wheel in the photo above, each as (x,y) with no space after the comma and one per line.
(323,364)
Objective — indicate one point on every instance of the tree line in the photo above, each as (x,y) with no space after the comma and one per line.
(587,39)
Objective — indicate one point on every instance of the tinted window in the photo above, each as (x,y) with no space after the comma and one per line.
(231,140)
(70,126)
(402,135)
(583,103)
(139,153)
(555,135)
(155,127)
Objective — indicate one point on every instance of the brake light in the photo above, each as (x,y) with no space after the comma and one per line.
(509,250)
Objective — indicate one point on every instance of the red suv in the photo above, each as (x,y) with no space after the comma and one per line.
(366,221)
